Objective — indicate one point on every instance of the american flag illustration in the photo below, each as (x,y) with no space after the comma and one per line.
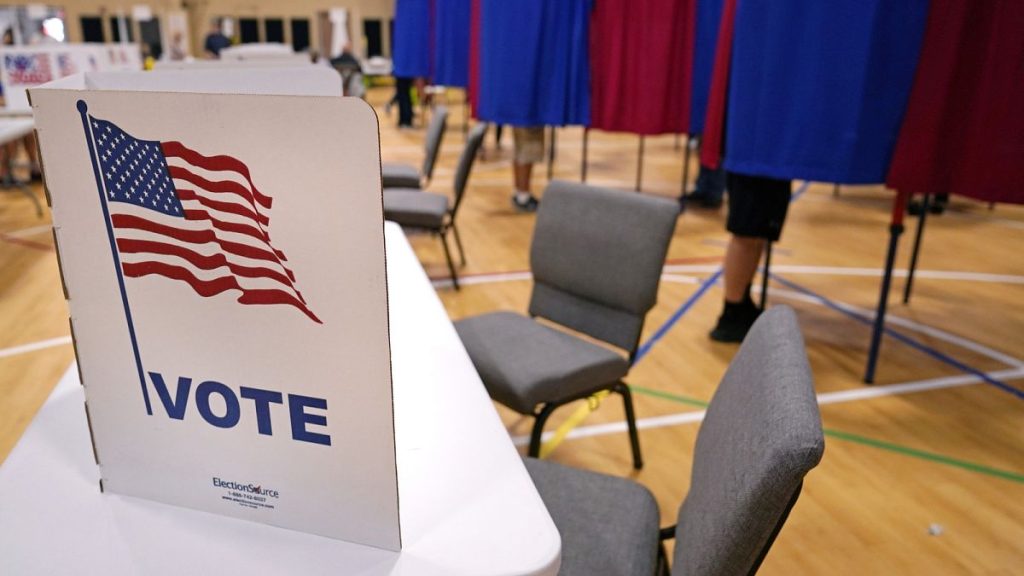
(192,218)
(66,64)
(28,68)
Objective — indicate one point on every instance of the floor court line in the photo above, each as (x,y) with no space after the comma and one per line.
(516,275)
(676,316)
(33,346)
(26,243)
(896,320)
(684,279)
(867,272)
(697,416)
(825,398)
(22,233)
(907,340)
(936,333)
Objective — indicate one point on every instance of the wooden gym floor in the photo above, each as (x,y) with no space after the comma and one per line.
(923,472)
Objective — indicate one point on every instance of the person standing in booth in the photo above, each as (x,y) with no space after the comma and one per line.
(529,149)
(792,80)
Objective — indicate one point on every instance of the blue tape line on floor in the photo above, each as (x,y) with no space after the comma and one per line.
(664,328)
(800,191)
(919,346)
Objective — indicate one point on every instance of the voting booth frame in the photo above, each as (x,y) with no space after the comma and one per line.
(202,255)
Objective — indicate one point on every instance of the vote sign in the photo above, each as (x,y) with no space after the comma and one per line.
(223,260)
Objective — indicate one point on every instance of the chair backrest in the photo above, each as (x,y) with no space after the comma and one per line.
(469,153)
(596,259)
(761,435)
(432,143)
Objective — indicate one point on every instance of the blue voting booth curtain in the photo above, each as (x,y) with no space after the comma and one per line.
(412,42)
(709,16)
(451,42)
(818,89)
(534,62)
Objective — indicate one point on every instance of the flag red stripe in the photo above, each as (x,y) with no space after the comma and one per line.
(220,186)
(193,237)
(201,261)
(226,163)
(229,207)
(264,296)
(235,227)
(207,288)
(256,233)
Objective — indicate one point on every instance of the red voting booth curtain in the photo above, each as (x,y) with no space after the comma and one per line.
(641,63)
(714,123)
(473,84)
(964,128)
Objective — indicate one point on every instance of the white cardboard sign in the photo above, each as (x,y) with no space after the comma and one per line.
(22,67)
(223,259)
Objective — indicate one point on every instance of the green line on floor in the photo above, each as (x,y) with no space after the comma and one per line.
(924,455)
(863,440)
(669,396)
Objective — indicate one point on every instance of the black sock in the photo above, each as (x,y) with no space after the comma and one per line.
(747,298)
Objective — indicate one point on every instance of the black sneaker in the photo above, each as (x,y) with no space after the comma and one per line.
(529,205)
(735,322)
(703,200)
(936,206)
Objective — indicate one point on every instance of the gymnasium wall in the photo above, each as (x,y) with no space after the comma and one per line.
(198,14)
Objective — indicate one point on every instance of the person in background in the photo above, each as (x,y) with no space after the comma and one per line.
(402,97)
(215,40)
(177,50)
(351,71)
(709,191)
(528,142)
(40,36)
(757,212)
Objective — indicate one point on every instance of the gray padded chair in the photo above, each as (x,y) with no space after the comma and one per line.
(413,208)
(761,435)
(596,259)
(405,176)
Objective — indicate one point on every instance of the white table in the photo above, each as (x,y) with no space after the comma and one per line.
(467,503)
(12,129)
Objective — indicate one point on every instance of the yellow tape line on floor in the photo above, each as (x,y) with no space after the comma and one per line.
(574,420)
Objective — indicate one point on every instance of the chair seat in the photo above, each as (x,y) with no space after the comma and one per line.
(415,208)
(524,363)
(609,525)
(399,175)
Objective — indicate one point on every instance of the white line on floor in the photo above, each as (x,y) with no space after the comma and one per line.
(911,325)
(28,231)
(869,272)
(32,347)
(823,399)
(484,279)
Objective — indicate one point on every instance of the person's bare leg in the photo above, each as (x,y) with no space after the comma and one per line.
(522,174)
(741,260)
(739,311)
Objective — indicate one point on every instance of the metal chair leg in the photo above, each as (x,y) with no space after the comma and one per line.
(541,418)
(634,437)
(448,257)
(662,568)
(458,244)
